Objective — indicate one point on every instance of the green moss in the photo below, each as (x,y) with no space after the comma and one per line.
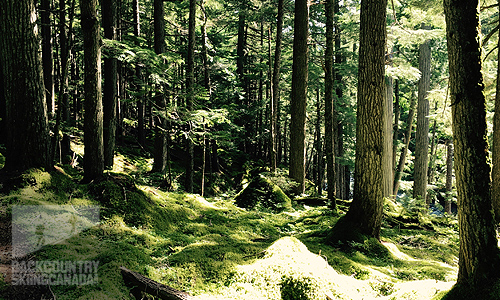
(383,288)
(301,288)
(441,246)
(211,247)
(263,193)
(2,160)
(392,208)
(347,237)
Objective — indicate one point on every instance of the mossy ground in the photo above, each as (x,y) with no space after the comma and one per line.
(213,249)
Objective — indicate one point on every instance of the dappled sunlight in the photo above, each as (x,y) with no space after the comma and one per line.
(215,250)
(396,252)
(202,201)
(128,164)
(288,258)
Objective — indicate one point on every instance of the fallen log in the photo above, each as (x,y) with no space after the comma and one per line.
(141,283)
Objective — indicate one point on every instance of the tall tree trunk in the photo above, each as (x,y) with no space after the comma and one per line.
(286,142)
(395,133)
(240,48)
(27,125)
(93,119)
(404,151)
(244,83)
(137,17)
(3,106)
(365,213)
(495,174)
(299,94)
(211,157)
(64,50)
(62,114)
(479,256)
(77,104)
(160,145)
(190,94)
(47,57)
(272,108)
(204,50)
(109,24)
(421,163)
(449,175)
(330,113)
(264,112)
(141,133)
(388,165)
(318,158)
(276,85)
(433,149)
(341,171)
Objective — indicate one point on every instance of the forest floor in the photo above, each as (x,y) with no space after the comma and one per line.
(213,249)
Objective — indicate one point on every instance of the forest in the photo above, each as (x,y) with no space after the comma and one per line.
(259,149)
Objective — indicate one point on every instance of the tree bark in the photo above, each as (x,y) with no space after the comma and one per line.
(365,212)
(342,179)
(318,161)
(388,164)
(495,175)
(479,256)
(3,106)
(204,50)
(404,151)
(341,171)
(421,163)
(299,94)
(395,131)
(93,118)
(272,109)
(141,132)
(449,175)
(330,113)
(190,95)
(432,151)
(109,23)
(276,84)
(47,57)
(27,128)
(62,114)
(64,50)
(160,145)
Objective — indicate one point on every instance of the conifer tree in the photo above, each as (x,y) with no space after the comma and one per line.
(93,164)
(479,256)
(27,143)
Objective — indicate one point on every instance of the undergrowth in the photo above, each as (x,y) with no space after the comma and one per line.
(212,248)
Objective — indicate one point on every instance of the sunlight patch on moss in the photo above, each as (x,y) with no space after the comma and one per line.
(211,248)
(290,271)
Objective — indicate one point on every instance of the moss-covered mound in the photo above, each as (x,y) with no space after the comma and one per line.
(263,193)
(118,195)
